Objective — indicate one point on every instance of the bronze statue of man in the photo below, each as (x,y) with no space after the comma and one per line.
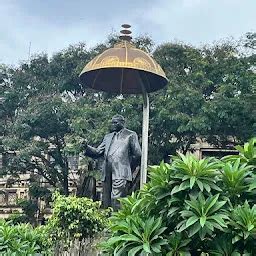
(120,150)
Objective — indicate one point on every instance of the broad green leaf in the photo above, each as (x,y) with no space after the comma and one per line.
(135,250)
(192,181)
(191,221)
(202,221)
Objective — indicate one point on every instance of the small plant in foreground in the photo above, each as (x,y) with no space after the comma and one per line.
(23,239)
(135,236)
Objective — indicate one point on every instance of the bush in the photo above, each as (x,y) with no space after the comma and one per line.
(72,219)
(23,239)
(18,218)
(75,217)
(204,206)
(136,235)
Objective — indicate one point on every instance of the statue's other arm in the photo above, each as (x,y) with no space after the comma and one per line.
(95,152)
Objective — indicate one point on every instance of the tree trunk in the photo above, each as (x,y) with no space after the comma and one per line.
(65,182)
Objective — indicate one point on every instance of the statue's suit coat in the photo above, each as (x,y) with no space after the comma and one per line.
(119,150)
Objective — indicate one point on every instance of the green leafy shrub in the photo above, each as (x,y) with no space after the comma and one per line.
(193,172)
(177,245)
(206,207)
(17,218)
(75,217)
(247,153)
(234,178)
(23,239)
(202,216)
(223,245)
(136,236)
(243,221)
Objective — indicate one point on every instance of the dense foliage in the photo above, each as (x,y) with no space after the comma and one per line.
(28,208)
(190,207)
(76,218)
(23,239)
(72,219)
(45,113)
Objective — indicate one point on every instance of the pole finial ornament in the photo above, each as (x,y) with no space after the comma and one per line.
(125,33)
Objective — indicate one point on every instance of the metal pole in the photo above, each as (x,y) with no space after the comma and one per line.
(145,125)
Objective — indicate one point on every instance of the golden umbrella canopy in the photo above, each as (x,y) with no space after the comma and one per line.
(125,69)
(122,69)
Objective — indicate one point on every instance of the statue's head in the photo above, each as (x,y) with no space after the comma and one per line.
(117,123)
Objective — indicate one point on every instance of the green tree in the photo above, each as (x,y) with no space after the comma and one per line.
(38,138)
(210,95)
(37,110)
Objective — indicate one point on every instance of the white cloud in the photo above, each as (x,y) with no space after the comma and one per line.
(53,29)
(197,21)
(191,3)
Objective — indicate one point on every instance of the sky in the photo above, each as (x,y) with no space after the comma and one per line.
(49,26)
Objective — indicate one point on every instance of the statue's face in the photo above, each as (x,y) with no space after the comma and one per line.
(116,124)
